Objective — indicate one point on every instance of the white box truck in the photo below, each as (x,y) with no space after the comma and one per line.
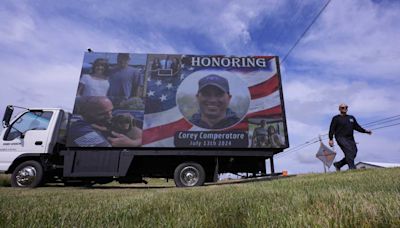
(184,117)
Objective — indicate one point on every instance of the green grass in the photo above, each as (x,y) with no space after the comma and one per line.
(5,180)
(361,198)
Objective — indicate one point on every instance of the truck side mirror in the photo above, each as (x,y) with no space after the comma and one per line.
(7,115)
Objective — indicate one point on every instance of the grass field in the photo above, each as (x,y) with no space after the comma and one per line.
(361,198)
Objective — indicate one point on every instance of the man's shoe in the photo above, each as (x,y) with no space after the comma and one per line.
(337,167)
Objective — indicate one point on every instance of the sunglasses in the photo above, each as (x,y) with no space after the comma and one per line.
(343,107)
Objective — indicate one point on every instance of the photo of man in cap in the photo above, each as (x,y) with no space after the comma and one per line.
(213,98)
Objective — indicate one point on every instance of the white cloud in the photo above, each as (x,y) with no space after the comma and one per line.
(45,52)
(355,38)
(381,146)
(226,24)
(303,131)
(42,65)
(19,26)
(310,97)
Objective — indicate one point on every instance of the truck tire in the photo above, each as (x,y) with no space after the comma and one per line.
(189,174)
(28,174)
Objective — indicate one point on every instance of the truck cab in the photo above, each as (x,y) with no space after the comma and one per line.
(29,138)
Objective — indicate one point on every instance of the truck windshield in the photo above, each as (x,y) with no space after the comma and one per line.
(29,121)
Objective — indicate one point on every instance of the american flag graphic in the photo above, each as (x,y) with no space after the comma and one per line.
(162,118)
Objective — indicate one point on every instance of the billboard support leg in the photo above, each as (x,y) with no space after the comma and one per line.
(216,170)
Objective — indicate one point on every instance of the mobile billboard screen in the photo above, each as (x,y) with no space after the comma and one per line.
(170,100)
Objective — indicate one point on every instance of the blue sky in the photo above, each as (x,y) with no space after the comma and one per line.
(351,55)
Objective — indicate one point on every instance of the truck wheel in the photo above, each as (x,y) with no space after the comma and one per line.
(189,174)
(28,174)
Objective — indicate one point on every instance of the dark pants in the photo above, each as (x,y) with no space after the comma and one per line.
(349,149)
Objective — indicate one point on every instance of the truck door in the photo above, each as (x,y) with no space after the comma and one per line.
(29,133)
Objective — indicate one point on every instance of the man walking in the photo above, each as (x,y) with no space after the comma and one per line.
(342,127)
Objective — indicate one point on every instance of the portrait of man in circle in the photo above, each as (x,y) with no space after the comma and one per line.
(213,98)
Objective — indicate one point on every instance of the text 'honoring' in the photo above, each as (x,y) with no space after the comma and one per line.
(215,61)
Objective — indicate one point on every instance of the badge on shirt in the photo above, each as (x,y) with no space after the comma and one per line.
(351,120)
